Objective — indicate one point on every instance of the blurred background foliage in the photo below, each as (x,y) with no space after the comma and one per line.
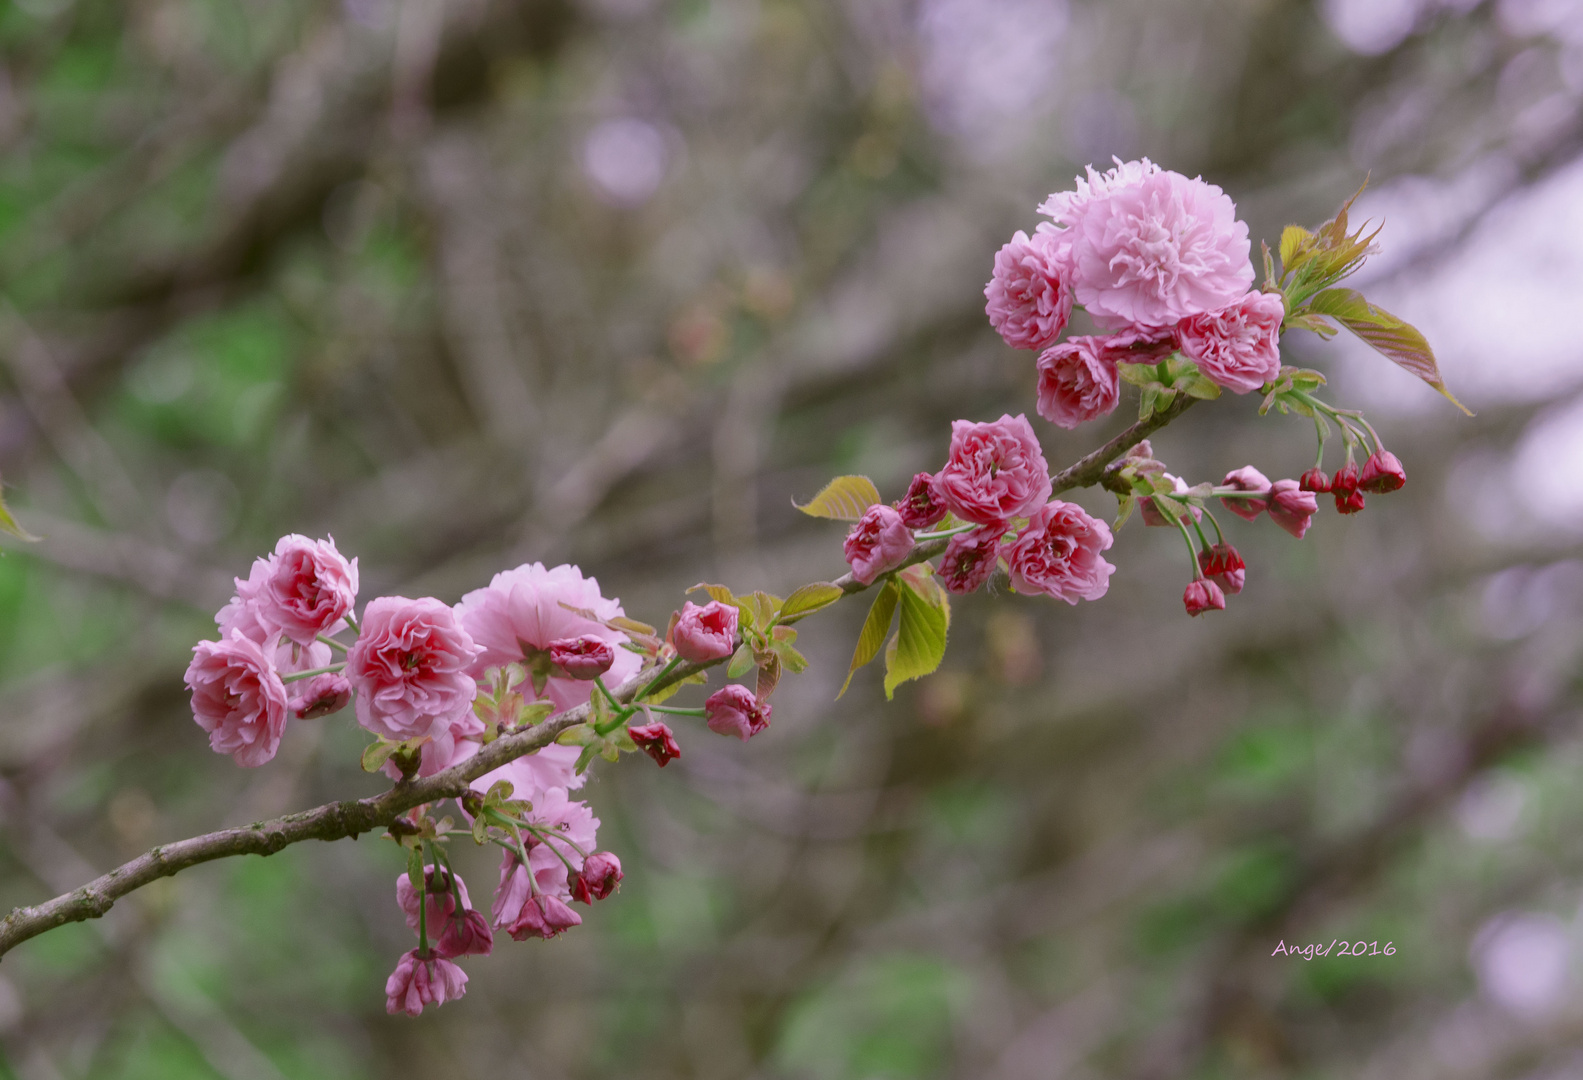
(478,282)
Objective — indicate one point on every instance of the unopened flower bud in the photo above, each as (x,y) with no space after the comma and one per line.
(1151,514)
(467,934)
(919,508)
(599,877)
(1247,478)
(1203,595)
(1316,480)
(1290,508)
(320,696)
(1344,486)
(585,657)
(877,543)
(543,916)
(657,741)
(1382,473)
(736,710)
(1224,566)
(702,634)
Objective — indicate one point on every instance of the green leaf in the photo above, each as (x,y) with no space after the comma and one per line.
(415,867)
(1200,387)
(1389,335)
(664,694)
(845,499)
(1292,238)
(741,662)
(810,598)
(1136,374)
(579,735)
(765,608)
(376,753)
(875,627)
(532,714)
(9,524)
(1124,507)
(919,644)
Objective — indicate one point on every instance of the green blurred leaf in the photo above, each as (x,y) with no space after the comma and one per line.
(919,644)
(810,598)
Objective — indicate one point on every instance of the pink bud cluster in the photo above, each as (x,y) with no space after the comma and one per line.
(1160,262)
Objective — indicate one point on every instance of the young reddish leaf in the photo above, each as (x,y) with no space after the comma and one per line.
(843,499)
(1388,334)
(875,627)
(769,674)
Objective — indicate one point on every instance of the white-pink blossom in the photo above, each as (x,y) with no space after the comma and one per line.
(306,588)
(238,697)
(1029,295)
(1237,346)
(1078,382)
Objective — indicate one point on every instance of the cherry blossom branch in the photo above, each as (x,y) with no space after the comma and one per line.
(352,817)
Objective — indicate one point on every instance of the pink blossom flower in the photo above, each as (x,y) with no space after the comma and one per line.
(736,710)
(1029,294)
(657,741)
(1078,382)
(572,828)
(304,589)
(970,558)
(1066,206)
(1237,346)
(467,934)
(238,698)
(1224,566)
(455,931)
(531,776)
(1247,478)
(585,657)
(1382,473)
(702,634)
(1151,514)
(1292,508)
(319,696)
(1203,595)
(919,508)
(419,981)
(1150,247)
(996,471)
(599,877)
(1058,554)
(880,541)
(525,609)
(410,670)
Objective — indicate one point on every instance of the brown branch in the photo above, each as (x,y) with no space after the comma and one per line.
(338,820)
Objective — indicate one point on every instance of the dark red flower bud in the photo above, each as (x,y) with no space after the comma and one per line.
(656,741)
(466,935)
(599,877)
(585,657)
(543,916)
(1315,480)
(970,558)
(919,507)
(1349,500)
(1224,566)
(1383,472)
(1203,595)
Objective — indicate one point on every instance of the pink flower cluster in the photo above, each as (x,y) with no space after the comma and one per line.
(996,479)
(1160,262)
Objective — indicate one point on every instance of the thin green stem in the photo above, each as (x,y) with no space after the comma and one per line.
(943,533)
(675,711)
(664,671)
(1192,552)
(1202,539)
(330,641)
(351,620)
(1220,537)
(296,675)
(423,905)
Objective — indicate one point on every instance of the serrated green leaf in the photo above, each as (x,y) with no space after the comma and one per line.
(1136,374)
(532,714)
(584,758)
(375,754)
(875,627)
(794,661)
(1199,387)
(741,662)
(919,643)
(664,694)
(1317,324)
(1389,335)
(1292,238)
(843,499)
(810,598)
(716,592)
(480,829)
(766,607)
(580,735)
(415,868)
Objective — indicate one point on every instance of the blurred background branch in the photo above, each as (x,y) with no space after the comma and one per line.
(471,283)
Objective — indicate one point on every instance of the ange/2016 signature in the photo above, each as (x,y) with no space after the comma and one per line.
(1348,948)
